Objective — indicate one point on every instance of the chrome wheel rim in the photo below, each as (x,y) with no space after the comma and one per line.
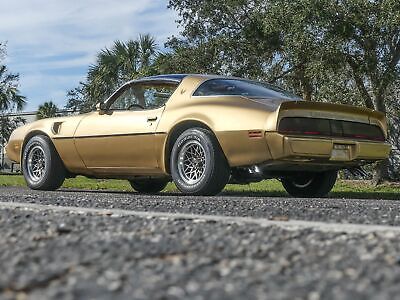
(36,163)
(192,162)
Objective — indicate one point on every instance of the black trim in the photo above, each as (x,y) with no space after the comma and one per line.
(335,128)
(168,77)
(106,135)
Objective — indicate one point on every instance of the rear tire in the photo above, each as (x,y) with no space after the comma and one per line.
(41,165)
(148,185)
(198,166)
(310,185)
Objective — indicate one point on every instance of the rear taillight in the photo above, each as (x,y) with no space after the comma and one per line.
(362,131)
(332,128)
(307,126)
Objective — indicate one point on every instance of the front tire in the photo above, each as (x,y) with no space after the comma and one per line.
(198,166)
(41,164)
(310,185)
(148,185)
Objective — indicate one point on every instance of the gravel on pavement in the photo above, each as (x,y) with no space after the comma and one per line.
(50,254)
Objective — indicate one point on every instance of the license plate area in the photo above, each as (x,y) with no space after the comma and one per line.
(341,152)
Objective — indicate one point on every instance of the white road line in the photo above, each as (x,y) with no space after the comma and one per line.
(289,225)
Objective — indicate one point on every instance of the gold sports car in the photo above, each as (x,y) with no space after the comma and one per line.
(202,132)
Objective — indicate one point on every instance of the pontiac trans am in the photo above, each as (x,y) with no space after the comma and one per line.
(202,132)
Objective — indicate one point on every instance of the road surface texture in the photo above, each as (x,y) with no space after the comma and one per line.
(99,245)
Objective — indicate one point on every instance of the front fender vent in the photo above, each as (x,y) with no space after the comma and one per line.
(56,128)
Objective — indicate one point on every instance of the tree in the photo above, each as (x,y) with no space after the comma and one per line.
(114,66)
(77,99)
(7,126)
(10,98)
(365,35)
(47,110)
(10,101)
(124,61)
(224,37)
(393,112)
(201,58)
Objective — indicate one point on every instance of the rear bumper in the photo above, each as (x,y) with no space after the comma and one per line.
(325,150)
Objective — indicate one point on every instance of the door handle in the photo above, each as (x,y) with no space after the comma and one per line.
(151,119)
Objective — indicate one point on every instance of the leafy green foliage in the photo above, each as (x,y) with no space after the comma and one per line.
(10,99)
(224,37)
(7,125)
(47,110)
(296,43)
(124,61)
(77,100)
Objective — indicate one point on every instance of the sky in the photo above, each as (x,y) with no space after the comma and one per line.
(51,43)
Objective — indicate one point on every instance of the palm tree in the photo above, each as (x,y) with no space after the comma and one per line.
(122,62)
(47,110)
(10,98)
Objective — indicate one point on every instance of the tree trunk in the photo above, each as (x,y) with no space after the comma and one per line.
(363,90)
(305,82)
(307,88)
(381,172)
(382,168)
(380,103)
(2,144)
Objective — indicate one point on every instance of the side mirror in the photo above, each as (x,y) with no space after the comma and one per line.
(100,107)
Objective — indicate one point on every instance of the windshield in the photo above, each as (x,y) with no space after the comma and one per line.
(239,87)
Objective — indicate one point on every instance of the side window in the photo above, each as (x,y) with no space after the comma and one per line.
(127,100)
(144,96)
(157,95)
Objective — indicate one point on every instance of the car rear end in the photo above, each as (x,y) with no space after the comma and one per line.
(320,136)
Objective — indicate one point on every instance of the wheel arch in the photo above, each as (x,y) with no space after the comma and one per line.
(176,131)
(55,174)
(32,134)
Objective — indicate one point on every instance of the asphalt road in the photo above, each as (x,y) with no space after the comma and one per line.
(98,245)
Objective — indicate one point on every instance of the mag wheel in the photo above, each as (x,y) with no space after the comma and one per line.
(148,185)
(310,184)
(198,166)
(41,165)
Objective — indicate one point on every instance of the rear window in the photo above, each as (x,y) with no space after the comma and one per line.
(246,88)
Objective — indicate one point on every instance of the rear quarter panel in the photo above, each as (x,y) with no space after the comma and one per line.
(230,118)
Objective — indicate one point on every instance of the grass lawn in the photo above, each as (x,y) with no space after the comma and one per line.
(342,189)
